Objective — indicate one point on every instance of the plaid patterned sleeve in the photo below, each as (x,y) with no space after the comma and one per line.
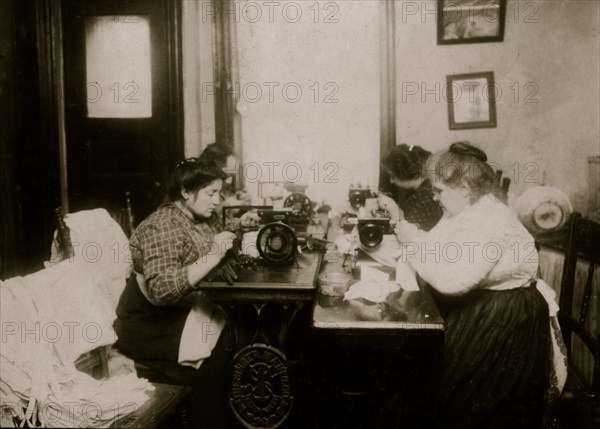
(166,249)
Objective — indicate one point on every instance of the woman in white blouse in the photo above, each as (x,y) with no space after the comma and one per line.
(483,262)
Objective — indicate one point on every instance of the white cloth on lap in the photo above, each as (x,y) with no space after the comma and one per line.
(201,332)
(202,329)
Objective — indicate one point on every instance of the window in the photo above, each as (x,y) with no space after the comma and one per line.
(118,72)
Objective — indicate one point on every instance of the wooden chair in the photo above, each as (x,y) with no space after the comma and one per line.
(63,236)
(581,398)
(124,216)
(503,184)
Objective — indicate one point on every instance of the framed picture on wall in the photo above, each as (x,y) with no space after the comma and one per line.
(471,100)
(470,21)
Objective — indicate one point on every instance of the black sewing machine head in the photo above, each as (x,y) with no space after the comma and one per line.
(357,196)
(301,210)
(269,215)
(276,242)
(372,229)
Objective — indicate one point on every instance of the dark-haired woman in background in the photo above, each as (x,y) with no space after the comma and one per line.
(497,324)
(224,156)
(221,154)
(172,250)
(406,167)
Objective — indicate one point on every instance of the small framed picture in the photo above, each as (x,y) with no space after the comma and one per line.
(471,100)
(470,21)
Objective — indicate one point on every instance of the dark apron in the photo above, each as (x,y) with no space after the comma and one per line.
(146,331)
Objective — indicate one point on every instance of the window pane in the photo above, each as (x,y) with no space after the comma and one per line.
(119,79)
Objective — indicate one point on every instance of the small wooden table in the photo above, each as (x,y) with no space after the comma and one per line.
(378,364)
(408,319)
(164,401)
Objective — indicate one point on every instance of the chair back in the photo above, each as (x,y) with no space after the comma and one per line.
(63,236)
(583,241)
(503,183)
(124,216)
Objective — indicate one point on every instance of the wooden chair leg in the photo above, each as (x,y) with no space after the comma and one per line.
(103,355)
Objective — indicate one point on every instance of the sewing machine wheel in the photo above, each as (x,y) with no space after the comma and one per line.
(277,243)
(299,203)
(370,234)
(356,200)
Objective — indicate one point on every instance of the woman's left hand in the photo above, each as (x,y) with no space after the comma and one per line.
(392,208)
(405,230)
(223,242)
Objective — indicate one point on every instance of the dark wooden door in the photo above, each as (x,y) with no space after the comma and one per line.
(123,98)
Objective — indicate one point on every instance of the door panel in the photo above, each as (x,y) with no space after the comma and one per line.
(123,101)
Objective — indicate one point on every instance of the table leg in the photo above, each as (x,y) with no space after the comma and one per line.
(261,393)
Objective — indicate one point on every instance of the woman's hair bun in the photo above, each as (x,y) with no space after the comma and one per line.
(464,148)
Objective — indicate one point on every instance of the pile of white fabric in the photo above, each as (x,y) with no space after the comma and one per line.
(100,242)
(48,319)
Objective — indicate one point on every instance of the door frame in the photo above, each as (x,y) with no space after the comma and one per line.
(51,67)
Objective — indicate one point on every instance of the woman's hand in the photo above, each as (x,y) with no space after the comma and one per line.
(390,205)
(223,241)
(227,267)
(223,261)
(405,231)
(209,262)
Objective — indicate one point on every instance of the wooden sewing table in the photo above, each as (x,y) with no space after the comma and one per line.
(260,308)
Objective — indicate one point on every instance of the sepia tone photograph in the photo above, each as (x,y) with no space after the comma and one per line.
(300,214)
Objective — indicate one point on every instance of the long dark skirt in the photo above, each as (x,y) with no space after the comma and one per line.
(208,404)
(496,360)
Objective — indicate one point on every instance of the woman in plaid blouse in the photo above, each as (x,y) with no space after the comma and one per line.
(172,250)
